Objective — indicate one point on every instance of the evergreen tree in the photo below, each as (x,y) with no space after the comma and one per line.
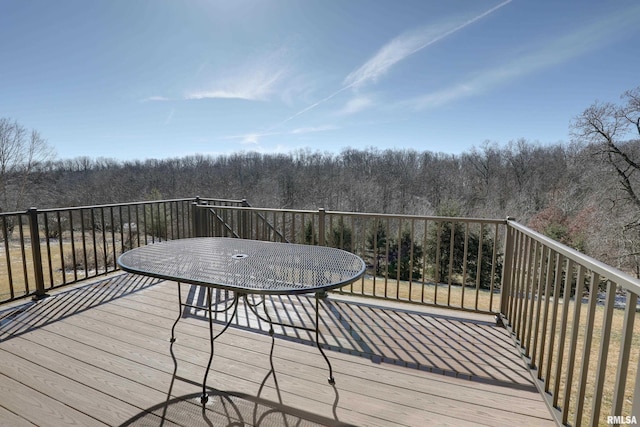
(377,248)
(341,236)
(450,259)
(405,258)
(401,259)
(310,238)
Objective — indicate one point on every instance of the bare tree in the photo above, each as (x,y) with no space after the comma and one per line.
(21,152)
(612,133)
(610,130)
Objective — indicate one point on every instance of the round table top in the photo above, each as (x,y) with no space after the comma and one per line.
(250,266)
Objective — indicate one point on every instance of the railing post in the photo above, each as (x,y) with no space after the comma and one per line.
(197,219)
(245,229)
(505,287)
(36,254)
(321,232)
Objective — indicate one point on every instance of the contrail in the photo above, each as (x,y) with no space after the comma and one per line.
(419,48)
(459,27)
(312,106)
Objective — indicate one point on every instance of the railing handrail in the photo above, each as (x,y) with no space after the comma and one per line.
(623,279)
(366,214)
(115,205)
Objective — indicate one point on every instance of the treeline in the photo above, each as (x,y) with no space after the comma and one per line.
(518,179)
(562,190)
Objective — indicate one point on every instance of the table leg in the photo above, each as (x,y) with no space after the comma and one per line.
(330,379)
(173,328)
(318,297)
(204,398)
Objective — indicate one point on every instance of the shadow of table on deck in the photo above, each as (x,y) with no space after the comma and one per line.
(227,409)
(450,345)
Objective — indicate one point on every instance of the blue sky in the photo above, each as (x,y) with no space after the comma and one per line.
(141,79)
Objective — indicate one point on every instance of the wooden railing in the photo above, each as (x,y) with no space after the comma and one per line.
(77,243)
(450,262)
(574,319)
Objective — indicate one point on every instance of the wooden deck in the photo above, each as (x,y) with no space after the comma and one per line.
(99,354)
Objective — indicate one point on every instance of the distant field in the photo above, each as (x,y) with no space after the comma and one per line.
(53,259)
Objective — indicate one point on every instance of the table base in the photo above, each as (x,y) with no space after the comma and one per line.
(233,306)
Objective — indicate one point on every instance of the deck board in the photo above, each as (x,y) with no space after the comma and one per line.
(99,354)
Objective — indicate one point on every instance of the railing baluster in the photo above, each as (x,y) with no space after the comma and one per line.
(517,269)
(386,263)
(411,250)
(573,343)
(60,242)
(533,278)
(84,243)
(625,350)
(105,249)
(513,280)
(113,234)
(7,252)
(437,274)
(398,258)
(95,243)
(522,280)
(465,261)
(494,261)
(538,306)
(545,317)
(47,240)
(479,264)
(451,256)
(121,228)
(557,287)
(566,295)
(586,347)
(424,259)
(603,354)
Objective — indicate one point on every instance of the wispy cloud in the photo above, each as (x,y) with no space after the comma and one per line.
(254,84)
(393,52)
(255,137)
(156,98)
(357,104)
(256,79)
(406,45)
(561,50)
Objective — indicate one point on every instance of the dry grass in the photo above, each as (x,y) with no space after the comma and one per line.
(591,356)
(454,296)
(57,261)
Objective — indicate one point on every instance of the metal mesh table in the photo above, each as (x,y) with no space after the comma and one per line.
(246,267)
